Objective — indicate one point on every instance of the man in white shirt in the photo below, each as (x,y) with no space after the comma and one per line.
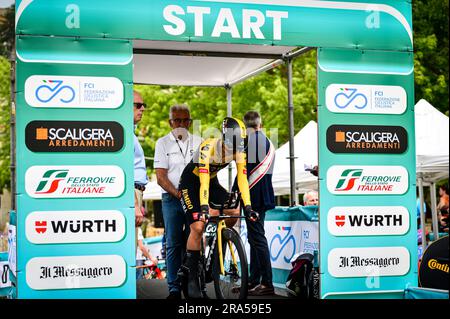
(172,153)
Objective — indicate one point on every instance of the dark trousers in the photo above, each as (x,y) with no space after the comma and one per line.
(260,266)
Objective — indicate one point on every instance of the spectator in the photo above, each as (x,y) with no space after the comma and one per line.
(260,162)
(172,153)
(140,171)
(311,198)
(442,208)
(141,254)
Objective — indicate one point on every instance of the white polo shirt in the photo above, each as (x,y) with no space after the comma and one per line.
(174,155)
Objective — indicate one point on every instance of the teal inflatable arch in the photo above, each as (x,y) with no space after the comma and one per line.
(76,64)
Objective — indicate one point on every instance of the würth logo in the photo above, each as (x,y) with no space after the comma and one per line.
(367,139)
(348,179)
(41,227)
(368,220)
(50,181)
(340,221)
(77,226)
(57,227)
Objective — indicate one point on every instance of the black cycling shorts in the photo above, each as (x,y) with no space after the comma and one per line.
(190,193)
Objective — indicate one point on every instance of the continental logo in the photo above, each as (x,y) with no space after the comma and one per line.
(367,139)
(74,136)
(434,264)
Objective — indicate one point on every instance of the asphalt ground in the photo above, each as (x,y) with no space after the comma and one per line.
(157,289)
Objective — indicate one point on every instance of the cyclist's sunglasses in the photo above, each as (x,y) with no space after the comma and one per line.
(139,105)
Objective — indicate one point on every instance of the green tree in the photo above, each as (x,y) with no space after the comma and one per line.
(430,26)
(7,30)
(5,177)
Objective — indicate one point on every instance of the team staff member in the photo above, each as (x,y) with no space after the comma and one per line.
(172,153)
(260,162)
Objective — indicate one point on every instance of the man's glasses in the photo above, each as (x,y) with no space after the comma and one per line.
(179,121)
(139,105)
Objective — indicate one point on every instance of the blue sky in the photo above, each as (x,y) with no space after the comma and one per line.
(6,3)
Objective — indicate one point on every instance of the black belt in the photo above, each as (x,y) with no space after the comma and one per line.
(139,187)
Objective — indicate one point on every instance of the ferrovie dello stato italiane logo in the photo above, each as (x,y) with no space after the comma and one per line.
(74,181)
(367,180)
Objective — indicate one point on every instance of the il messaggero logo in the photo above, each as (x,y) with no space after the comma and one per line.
(72,272)
(371,99)
(74,136)
(367,139)
(367,180)
(74,181)
(73,91)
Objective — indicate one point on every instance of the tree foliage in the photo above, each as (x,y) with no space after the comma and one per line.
(5,177)
(430,26)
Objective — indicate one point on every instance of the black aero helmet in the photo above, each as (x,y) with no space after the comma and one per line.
(234,134)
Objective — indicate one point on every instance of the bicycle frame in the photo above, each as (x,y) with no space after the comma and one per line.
(218,234)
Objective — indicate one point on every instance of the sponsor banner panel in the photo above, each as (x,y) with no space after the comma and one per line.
(12,249)
(74,136)
(72,272)
(369,99)
(74,181)
(367,139)
(368,262)
(287,239)
(4,275)
(73,91)
(57,227)
(367,180)
(368,221)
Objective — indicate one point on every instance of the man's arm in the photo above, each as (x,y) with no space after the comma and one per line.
(206,151)
(163,181)
(242,181)
(146,253)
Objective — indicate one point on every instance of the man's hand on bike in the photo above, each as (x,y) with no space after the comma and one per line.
(252,215)
(204,213)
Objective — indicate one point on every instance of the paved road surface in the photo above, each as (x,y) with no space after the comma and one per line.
(157,289)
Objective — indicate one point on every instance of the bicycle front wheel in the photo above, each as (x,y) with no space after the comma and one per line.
(233,283)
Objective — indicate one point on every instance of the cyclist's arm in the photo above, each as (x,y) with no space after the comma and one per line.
(206,150)
(242,180)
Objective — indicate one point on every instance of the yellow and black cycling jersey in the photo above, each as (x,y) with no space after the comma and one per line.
(210,159)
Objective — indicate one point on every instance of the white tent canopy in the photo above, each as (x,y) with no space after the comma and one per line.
(201,64)
(305,147)
(432,129)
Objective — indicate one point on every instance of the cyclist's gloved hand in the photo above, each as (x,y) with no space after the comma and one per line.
(204,212)
(252,215)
